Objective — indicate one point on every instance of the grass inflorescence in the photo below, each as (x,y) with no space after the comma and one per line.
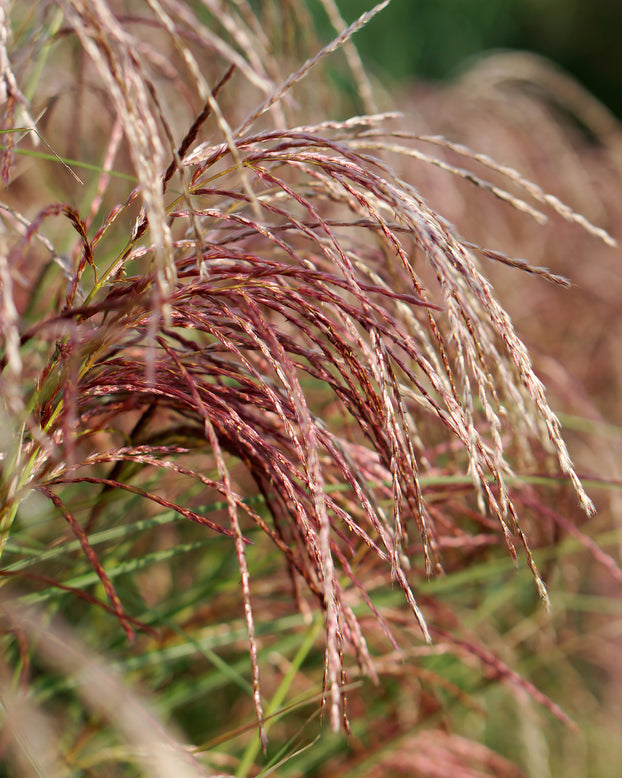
(250,375)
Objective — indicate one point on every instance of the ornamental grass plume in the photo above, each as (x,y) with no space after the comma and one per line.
(247,308)
(494,105)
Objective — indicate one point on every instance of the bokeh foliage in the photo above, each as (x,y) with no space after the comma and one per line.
(432,39)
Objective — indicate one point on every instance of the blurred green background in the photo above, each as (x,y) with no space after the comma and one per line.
(433,38)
